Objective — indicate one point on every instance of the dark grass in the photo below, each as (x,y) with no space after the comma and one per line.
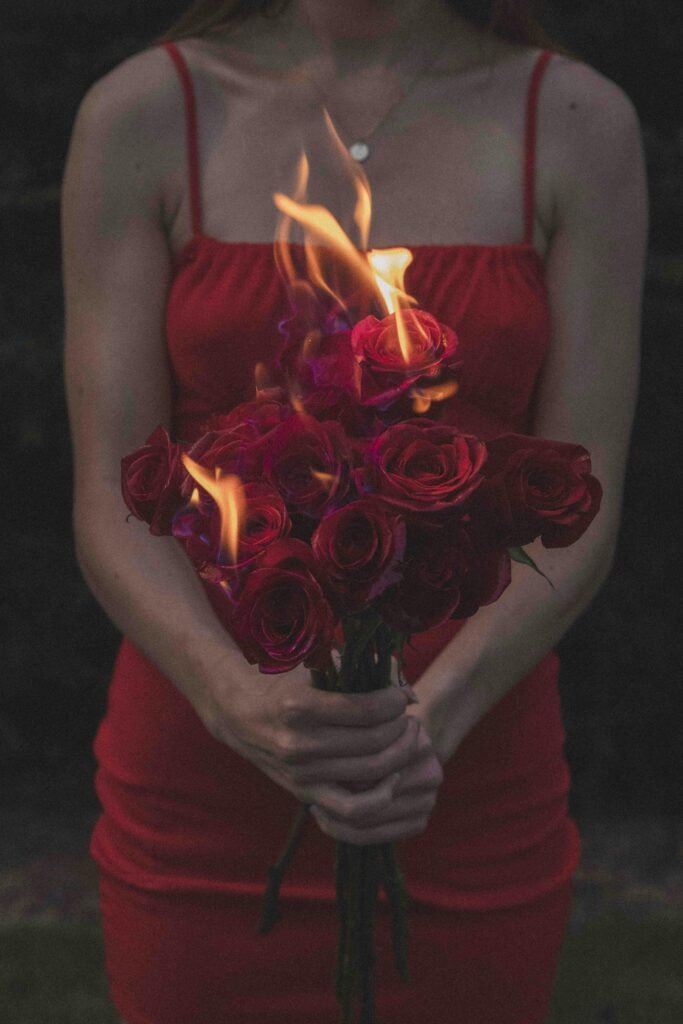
(614,970)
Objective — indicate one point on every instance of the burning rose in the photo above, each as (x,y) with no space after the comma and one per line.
(218,449)
(151,479)
(360,546)
(391,366)
(308,463)
(199,530)
(422,466)
(234,441)
(282,616)
(539,487)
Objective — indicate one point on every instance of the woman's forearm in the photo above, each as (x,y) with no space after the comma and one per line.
(503,641)
(150,591)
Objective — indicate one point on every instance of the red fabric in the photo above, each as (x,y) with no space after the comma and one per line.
(201,961)
(188,828)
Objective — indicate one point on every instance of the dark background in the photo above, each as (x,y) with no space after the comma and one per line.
(621,677)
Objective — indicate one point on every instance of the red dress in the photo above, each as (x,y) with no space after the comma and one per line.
(188,827)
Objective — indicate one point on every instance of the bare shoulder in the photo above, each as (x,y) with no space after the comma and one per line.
(131,122)
(589,127)
(141,90)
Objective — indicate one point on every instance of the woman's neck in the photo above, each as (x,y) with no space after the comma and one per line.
(357,37)
(357,33)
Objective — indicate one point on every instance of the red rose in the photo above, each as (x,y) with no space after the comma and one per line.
(388,372)
(252,419)
(308,463)
(282,617)
(151,480)
(448,574)
(235,441)
(199,530)
(422,466)
(537,487)
(218,449)
(360,546)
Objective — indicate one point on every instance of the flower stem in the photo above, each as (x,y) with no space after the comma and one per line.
(271,911)
(397,895)
(368,899)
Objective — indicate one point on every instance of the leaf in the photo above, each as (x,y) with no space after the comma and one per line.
(522,556)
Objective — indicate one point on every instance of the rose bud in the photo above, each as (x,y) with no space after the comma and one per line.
(308,463)
(537,487)
(388,371)
(360,547)
(282,616)
(422,466)
(151,481)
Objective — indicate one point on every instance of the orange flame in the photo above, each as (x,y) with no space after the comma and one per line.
(328,480)
(423,397)
(228,493)
(379,271)
(261,377)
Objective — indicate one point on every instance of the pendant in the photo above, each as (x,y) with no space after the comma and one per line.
(360,151)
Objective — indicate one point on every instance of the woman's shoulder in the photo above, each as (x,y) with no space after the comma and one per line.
(590,136)
(138,100)
(133,116)
(576,93)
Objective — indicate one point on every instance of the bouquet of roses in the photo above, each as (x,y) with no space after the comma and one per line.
(357,523)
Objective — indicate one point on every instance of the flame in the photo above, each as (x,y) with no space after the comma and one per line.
(423,397)
(194,498)
(228,493)
(261,377)
(328,480)
(296,403)
(380,272)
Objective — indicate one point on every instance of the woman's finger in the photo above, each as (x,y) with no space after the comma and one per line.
(369,769)
(387,832)
(347,806)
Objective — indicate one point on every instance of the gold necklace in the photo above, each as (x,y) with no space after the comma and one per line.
(360,149)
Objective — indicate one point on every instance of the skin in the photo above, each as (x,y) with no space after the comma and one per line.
(125,213)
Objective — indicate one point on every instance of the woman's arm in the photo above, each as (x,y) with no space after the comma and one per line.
(591,160)
(116,276)
(591,164)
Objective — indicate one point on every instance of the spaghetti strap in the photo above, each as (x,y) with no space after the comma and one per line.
(191,129)
(530,144)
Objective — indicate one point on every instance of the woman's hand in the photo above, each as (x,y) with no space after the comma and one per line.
(310,741)
(407,814)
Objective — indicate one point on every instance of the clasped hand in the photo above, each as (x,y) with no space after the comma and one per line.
(364,762)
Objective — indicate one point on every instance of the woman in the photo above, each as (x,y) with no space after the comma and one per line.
(515,175)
